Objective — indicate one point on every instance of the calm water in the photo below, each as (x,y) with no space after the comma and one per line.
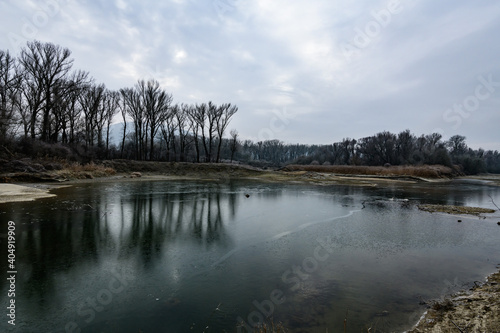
(202,257)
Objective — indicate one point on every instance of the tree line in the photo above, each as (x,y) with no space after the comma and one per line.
(47,107)
(50,109)
(384,148)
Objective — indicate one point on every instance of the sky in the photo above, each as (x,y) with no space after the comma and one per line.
(313,72)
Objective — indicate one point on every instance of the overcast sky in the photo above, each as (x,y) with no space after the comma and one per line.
(312,71)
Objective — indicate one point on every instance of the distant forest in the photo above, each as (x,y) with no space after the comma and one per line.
(48,109)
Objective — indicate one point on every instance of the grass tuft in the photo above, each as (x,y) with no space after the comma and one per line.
(87,171)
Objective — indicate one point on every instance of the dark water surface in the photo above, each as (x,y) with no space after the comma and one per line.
(201,256)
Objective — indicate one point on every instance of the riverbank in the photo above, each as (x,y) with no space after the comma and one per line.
(34,174)
(476,310)
(40,172)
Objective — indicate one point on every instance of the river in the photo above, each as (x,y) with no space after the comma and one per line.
(183,256)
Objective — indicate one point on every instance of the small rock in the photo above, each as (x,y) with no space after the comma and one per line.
(248,195)
(459,220)
(498,223)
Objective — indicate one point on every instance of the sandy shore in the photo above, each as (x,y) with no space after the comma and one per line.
(12,193)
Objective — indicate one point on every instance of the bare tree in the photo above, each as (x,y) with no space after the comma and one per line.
(31,104)
(347,150)
(223,117)
(457,146)
(193,124)
(148,105)
(168,131)
(92,108)
(123,110)
(65,111)
(111,107)
(136,111)
(199,116)
(156,103)
(45,66)
(405,145)
(234,143)
(183,128)
(10,83)
(211,126)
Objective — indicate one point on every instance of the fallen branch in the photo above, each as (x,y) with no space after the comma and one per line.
(8,151)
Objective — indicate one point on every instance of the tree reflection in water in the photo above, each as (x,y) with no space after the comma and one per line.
(91,222)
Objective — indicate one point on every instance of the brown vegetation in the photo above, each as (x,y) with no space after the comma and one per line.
(424,171)
(27,170)
(195,170)
(87,171)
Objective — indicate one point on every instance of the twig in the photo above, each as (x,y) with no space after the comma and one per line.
(8,151)
(457,326)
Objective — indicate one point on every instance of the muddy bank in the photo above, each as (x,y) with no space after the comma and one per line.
(477,310)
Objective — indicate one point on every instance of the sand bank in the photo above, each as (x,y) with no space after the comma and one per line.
(11,193)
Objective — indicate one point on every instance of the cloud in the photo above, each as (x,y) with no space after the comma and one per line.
(273,55)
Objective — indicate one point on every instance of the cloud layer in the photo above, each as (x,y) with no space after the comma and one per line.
(304,71)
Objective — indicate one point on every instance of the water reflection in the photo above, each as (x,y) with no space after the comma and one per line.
(190,246)
(148,222)
(88,223)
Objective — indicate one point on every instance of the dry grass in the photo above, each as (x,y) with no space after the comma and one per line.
(87,171)
(424,171)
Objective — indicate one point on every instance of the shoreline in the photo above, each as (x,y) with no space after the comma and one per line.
(475,310)
(31,188)
(27,187)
